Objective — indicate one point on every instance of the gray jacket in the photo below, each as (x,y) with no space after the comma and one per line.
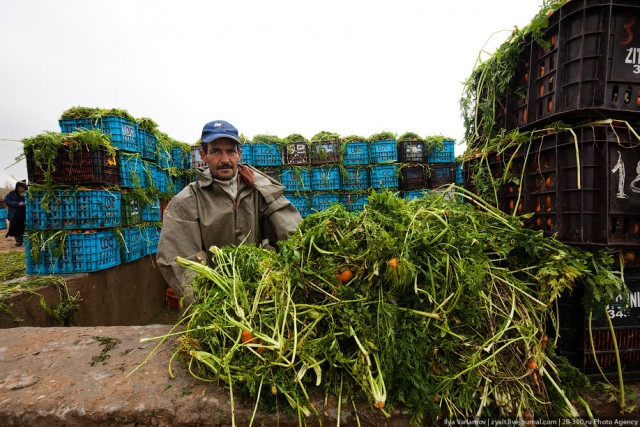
(203,215)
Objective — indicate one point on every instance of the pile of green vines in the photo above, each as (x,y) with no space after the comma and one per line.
(444,312)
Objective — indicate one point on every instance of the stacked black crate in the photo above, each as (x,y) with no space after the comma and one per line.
(412,157)
(577,95)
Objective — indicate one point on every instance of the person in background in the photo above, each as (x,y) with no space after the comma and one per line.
(16,212)
(229,204)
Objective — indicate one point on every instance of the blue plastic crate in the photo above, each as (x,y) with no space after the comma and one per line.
(151,235)
(383,176)
(3,224)
(321,201)
(414,194)
(3,213)
(151,213)
(325,178)
(300,202)
(383,151)
(247,153)
(179,183)
(164,157)
(355,178)
(161,179)
(123,132)
(446,154)
(354,202)
(134,246)
(98,209)
(177,158)
(356,153)
(267,154)
(131,172)
(73,210)
(295,179)
(94,251)
(37,217)
(51,260)
(459,175)
(148,144)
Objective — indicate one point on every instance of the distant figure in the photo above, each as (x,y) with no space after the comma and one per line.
(17,212)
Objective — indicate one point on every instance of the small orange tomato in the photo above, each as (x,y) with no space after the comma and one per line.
(393,262)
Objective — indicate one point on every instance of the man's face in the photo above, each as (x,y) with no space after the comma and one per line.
(21,190)
(222,156)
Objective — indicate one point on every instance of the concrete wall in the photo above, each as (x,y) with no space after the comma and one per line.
(129,294)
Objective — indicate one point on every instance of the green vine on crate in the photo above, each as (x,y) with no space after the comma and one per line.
(148,124)
(79,112)
(410,137)
(382,136)
(435,142)
(266,139)
(320,142)
(491,80)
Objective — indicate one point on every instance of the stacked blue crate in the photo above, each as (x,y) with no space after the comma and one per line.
(94,251)
(151,236)
(134,246)
(124,132)
(383,176)
(47,255)
(3,219)
(73,209)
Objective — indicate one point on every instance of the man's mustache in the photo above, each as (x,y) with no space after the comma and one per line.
(225,167)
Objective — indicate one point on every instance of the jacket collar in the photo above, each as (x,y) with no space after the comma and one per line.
(269,188)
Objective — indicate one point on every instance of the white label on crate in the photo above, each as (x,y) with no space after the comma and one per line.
(128,131)
(614,309)
(619,167)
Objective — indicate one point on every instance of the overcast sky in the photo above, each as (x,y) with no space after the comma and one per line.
(277,67)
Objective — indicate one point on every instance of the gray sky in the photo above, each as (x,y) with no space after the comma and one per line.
(277,67)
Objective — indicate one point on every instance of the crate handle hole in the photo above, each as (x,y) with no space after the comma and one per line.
(627,95)
(552,63)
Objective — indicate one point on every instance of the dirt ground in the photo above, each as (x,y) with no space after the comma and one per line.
(8,243)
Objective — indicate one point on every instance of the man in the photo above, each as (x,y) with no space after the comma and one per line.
(229,203)
(17,212)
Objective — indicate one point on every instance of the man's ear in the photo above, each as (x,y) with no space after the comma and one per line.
(203,156)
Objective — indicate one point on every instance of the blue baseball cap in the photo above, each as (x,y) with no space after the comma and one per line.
(219,129)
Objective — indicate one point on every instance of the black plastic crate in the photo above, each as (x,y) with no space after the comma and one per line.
(513,196)
(413,177)
(79,167)
(411,152)
(439,174)
(296,153)
(587,191)
(591,66)
(574,340)
(325,152)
